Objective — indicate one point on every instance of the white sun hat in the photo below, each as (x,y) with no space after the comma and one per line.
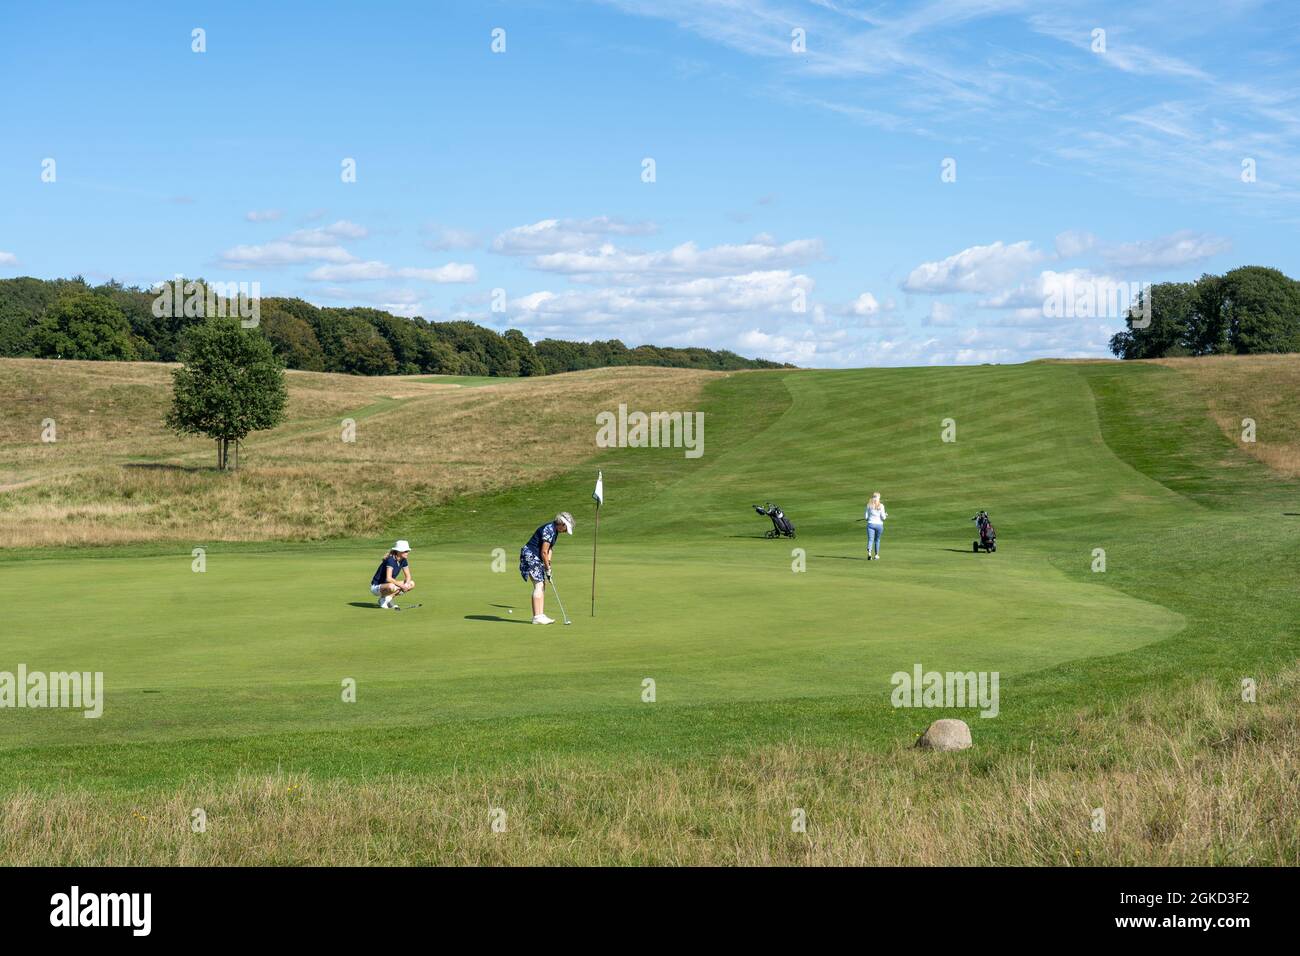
(402,545)
(567,519)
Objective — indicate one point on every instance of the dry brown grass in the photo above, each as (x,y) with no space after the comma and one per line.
(116,475)
(1190,778)
(1265,388)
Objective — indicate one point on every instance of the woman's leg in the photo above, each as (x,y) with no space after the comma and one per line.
(880,531)
(539,597)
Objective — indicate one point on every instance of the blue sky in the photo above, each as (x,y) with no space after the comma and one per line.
(798,209)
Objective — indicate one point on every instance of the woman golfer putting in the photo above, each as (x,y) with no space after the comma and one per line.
(876,516)
(385,584)
(535,561)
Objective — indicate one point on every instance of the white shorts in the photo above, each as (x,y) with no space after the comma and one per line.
(374,589)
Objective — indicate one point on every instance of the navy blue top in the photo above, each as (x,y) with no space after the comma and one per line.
(545,533)
(389,562)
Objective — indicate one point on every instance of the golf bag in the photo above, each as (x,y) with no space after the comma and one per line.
(988,539)
(781,526)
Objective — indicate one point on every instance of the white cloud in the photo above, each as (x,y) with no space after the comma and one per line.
(1074,295)
(865,304)
(1073,243)
(869,312)
(328,235)
(281,253)
(305,245)
(687,299)
(1170,251)
(1176,249)
(778,348)
(263,215)
(1048,282)
(444,238)
(977,269)
(374,269)
(8,259)
(561,235)
(941,314)
(608,261)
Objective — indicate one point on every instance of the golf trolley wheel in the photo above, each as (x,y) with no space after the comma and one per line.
(975,546)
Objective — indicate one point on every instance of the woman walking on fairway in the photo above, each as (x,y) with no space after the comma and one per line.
(535,561)
(385,584)
(875,525)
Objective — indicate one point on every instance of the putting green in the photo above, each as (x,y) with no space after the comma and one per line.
(261,643)
(241,666)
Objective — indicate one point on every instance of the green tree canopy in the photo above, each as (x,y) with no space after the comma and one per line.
(231,384)
(363,341)
(1247,311)
(1262,308)
(84,326)
(292,338)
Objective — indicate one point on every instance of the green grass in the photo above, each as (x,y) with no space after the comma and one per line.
(465,381)
(237,671)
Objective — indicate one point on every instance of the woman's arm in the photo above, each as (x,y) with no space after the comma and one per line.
(546,554)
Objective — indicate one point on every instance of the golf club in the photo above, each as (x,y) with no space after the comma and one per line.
(557,599)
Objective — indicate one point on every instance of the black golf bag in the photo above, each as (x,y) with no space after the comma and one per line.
(988,539)
(781,526)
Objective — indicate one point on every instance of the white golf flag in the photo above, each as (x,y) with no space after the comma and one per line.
(599,493)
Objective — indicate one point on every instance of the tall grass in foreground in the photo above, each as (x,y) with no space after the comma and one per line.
(1197,777)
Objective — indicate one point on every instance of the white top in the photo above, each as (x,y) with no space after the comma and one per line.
(876,516)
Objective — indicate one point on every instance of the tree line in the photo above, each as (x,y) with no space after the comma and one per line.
(1247,311)
(72,319)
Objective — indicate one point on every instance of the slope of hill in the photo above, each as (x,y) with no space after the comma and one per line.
(114,474)
(1261,389)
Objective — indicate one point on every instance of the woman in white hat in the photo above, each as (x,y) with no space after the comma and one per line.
(385,583)
(535,561)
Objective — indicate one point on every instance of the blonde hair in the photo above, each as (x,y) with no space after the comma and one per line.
(875,496)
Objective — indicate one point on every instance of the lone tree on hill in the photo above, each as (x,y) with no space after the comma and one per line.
(230,384)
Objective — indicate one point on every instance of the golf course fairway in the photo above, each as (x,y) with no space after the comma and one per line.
(1138,552)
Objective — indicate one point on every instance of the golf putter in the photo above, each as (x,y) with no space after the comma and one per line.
(558,601)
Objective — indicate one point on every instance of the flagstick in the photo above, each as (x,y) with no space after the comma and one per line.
(594,535)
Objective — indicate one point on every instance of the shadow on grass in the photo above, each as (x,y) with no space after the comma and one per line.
(837,557)
(369,605)
(497,619)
